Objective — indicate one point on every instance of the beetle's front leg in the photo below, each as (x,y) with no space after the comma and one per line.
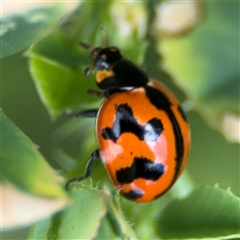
(94,155)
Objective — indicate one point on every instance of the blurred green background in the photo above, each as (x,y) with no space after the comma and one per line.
(212,158)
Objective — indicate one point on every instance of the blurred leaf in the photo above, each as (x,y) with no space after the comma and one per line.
(212,157)
(28,23)
(57,62)
(22,164)
(106,232)
(77,221)
(209,212)
(82,219)
(39,231)
(20,209)
(143,216)
(59,88)
(206,62)
(114,225)
(119,223)
(81,132)
(65,161)
(92,215)
(223,104)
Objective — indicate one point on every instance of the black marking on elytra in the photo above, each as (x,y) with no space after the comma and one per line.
(87,113)
(140,168)
(126,122)
(133,194)
(161,102)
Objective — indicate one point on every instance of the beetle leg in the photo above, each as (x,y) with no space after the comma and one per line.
(89,113)
(105,94)
(93,156)
(85,45)
(96,93)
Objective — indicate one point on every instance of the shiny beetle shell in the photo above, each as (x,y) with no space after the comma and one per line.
(143,140)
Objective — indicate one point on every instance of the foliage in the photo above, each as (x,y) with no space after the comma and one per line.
(198,62)
(19,31)
(33,174)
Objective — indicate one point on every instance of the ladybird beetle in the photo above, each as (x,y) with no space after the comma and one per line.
(141,130)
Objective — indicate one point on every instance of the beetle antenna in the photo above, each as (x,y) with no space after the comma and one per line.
(85,45)
(88,70)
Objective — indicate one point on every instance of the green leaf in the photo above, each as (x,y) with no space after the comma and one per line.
(59,88)
(208,212)
(205,63)
(25,27)
(39,231)
(23,165)
(106,232)
(80,220)
(92,215)
(57,62)
(81,131)
(119,223)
